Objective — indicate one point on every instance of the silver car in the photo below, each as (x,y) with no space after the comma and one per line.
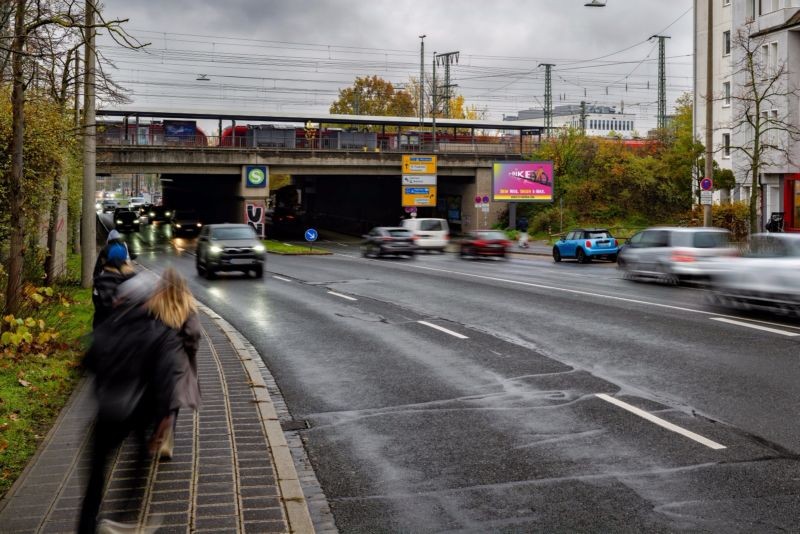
(673,255)
(229,247)
(763,278)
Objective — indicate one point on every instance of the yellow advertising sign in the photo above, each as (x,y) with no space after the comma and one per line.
(419,196)
(418,164)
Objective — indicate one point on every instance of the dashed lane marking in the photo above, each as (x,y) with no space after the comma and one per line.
(335,294)
(282,279)
(755,326)
(662,423)
(442,329)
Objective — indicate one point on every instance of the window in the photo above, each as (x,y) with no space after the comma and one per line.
(726,43)
(750,9)
(773,58)
(726,93)
(726,145)
(726,2)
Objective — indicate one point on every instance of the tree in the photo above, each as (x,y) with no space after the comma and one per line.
(762,130)
(373,95)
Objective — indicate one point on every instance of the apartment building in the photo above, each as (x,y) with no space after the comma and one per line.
(601,121)
(774,31)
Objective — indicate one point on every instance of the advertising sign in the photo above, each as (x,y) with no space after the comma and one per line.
(419,179)
(416,164)
(256,175)
(180,131)
(419,196)
(254,212)
(523,181)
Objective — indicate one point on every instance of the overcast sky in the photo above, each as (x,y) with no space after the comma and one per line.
(296,54)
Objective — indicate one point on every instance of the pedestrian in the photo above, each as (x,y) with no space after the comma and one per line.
(522,228)
(115,270)
(173,304)
(114,237)
(134,358)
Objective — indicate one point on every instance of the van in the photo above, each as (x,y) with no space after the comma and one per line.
(429,234)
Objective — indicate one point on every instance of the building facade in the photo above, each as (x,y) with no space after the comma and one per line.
(772,29)
(600,121)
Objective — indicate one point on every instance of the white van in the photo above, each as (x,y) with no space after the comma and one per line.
(429,234)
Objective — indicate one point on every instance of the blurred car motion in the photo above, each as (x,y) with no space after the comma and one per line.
(765,277)
(385,240)
(484,243)
(126,220)
(673,255)
(586,244)
(186,223)
(229,247)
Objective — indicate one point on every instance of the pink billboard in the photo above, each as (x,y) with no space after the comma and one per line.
(523,181)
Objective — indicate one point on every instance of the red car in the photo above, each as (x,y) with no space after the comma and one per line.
(485,243)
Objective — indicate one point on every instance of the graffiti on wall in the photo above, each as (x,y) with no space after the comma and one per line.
(254,215)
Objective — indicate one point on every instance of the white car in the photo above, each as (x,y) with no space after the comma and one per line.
(429,234)
(763,278)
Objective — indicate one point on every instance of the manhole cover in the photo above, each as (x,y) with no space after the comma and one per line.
(295,425)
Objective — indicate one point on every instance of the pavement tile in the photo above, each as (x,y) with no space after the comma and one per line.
(169,507)
(217,487)
(169,519)
(215,498)
(216,524)
(216,510)
(265,526)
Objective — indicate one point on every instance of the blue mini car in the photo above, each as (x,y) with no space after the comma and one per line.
(586,244)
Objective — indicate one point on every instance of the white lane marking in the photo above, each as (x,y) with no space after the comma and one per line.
(282,279)
(755,326)
(335,294)
(445,330)
(660,422)
(288,244)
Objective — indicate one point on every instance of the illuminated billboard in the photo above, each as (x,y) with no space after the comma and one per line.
(523,181)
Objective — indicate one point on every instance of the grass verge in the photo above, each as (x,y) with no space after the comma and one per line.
(279,247)
(35,385)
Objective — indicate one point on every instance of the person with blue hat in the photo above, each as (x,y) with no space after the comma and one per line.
(115,270)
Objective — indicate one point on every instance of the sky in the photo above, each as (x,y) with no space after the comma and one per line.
(295,55)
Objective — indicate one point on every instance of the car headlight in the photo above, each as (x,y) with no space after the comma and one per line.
(152,214)
(119,221)
(168,213)
(177,225)
(214,249)
(199,225)
(259,248)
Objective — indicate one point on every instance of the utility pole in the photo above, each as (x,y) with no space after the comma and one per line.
(709,171)
(88,216)
(548,98)
(583,117)
(447,59)
(433,102)
(76,235)
(421,93)
(662,81)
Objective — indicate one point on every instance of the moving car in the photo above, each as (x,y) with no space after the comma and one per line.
(109,206)
(484,243)
(586,244)
(430,234)
(186,223)
(126,220)
(672,254)
(229,247)
(384,240)
(160,214)
(763,278)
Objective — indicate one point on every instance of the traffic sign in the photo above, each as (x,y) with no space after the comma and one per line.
(418,196)
(418,164)
(419,179)
(485,199)
(706,184)
(478,199)
(706,197)
(411,209)
(311,235)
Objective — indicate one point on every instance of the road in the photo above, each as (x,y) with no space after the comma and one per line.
(452,395)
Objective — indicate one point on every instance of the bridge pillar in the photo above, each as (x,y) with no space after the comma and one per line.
(252,197)
(475,218)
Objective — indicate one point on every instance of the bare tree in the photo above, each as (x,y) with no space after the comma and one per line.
(761,126)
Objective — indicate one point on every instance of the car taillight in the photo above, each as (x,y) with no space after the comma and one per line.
(387,238)
(588,244)
(613,242)
(414,237)
(480,243)
(682,257)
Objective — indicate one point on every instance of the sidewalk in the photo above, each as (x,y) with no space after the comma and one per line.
(232,470)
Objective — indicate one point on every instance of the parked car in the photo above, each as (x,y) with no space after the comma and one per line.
(126,220)
(430,234)
(186,223)
(673,255)
(160,214)
(763,278)
(384,240)
(481,243)
(108,206)
(229,247)
(586,244)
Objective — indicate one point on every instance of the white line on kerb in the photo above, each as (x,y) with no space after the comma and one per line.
(445,330)
(755,326)
(660,422)
(335,294)
(282,279)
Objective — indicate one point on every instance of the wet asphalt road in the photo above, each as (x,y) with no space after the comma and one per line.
(499,427)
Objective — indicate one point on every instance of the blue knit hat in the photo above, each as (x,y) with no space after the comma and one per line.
(117,254)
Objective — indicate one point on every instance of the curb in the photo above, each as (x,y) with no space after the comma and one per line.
(294,500)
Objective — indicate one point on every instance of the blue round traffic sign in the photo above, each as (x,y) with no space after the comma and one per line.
(706,184)
(486,199)
(311,235)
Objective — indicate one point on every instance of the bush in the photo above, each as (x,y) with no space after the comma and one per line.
(734,217)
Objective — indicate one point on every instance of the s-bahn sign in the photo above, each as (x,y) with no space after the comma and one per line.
(256,175)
